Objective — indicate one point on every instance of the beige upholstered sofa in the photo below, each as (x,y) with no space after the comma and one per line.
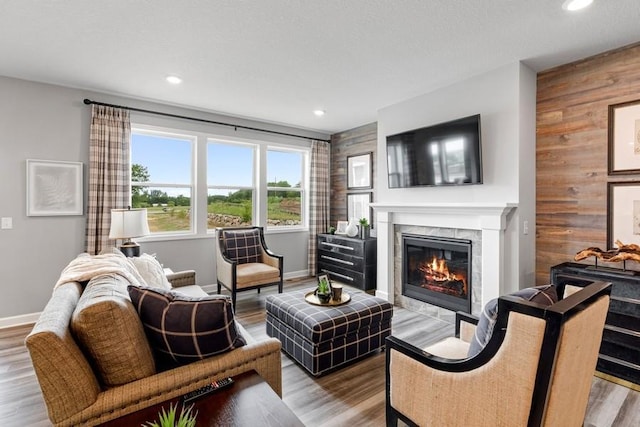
(82,387)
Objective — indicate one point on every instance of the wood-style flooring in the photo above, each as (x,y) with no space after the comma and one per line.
(352,396)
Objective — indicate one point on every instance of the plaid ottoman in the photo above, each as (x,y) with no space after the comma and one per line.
(322,338)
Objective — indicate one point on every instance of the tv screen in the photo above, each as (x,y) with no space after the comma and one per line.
(443,154)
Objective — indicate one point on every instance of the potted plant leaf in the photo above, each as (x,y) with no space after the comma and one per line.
(323,291)
(186,418)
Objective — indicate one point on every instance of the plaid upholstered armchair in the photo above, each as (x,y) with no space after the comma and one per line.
(244,262)
(536,368)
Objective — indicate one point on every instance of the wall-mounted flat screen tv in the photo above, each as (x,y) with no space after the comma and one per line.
(443,154)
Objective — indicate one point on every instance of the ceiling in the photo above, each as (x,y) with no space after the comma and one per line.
(278,60)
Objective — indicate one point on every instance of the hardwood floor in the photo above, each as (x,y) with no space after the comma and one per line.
(352,396)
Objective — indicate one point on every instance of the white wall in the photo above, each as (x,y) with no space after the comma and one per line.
(41,121)
(505,98)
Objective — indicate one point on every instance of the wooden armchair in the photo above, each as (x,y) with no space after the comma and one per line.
(244,262)
(535,370)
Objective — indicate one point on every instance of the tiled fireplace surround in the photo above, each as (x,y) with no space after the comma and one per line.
(482,223)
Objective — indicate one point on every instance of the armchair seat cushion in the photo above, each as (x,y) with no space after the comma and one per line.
(252,274)
(449,348)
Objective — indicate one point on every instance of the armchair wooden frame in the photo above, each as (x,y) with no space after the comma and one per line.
(549,389)
(227,269)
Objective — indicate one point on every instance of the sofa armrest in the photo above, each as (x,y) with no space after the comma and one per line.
(182,278)
(261,356)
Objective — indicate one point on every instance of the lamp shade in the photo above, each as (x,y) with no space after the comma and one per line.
(128,223)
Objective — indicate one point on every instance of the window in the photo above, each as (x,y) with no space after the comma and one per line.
(285,188)
(230,184)
(161,179)
(192,182)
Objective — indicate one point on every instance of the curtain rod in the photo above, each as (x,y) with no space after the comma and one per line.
(195,119)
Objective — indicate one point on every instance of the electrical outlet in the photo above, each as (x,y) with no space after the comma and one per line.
(525,227)
(7,223)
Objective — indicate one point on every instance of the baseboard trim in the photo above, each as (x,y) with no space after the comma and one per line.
(23,319)
(210,289)
(296,274)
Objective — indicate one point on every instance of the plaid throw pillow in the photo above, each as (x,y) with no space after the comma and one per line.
(242,246)
(545,295)
(183,329)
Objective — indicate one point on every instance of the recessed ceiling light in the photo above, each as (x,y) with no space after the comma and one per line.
(319,113)
(174,80)
(573,5)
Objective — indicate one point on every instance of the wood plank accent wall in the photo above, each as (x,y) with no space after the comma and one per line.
(571,152)
(360,140)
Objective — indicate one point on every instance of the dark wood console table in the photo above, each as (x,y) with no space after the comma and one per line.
(249,401)
(619,357)
(348,259)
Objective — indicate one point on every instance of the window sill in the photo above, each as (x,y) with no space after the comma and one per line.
(210,234)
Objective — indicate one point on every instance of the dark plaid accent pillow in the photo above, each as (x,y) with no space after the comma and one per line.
(242,246)
(544,295)
(183,329)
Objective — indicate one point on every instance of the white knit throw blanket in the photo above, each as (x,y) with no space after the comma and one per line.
(85,267)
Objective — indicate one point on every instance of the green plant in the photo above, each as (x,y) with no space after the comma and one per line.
(332,230)
(323,285)
(364,222)
(168,418)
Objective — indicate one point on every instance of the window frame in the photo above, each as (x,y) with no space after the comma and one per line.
(303,189)
(181,134)
(254,176)
(200,187)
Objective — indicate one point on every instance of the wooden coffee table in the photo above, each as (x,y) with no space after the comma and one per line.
(249,401)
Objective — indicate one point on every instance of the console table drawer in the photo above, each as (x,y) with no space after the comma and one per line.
(347,276)
(341,246)
(338,259)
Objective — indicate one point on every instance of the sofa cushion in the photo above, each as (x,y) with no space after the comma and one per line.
(151,271)
(183,329)
(242,246)
(109,331)
(544,295)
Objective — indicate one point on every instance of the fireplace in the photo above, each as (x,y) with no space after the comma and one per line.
(437,270)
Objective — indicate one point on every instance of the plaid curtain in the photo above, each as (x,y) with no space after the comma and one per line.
(109,173)
(318,198)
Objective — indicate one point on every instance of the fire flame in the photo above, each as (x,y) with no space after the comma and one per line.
(437,276)
(437,270)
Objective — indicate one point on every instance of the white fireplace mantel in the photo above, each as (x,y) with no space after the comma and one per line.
(489,218)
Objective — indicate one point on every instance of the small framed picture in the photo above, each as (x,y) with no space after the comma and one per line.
(54,188)
(359,174)
(341,227)
(623,216)
(324,279)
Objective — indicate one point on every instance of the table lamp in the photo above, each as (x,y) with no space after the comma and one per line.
(128,223)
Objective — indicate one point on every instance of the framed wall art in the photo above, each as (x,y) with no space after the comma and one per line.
(341,227)
(54,188)
(358,206)
(624,138)
(623,213)
(359,173)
